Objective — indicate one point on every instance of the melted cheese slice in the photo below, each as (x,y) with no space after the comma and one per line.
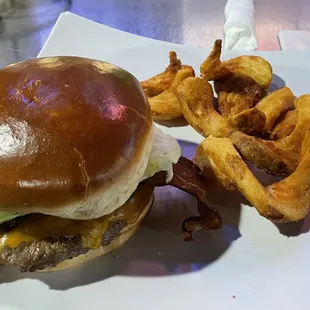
(38,226)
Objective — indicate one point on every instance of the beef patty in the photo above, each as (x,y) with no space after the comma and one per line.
(37,241)
(40,254)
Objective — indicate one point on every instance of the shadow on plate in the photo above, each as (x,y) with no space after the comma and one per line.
(276,83)
(158,248)
(295,229)
(179,122)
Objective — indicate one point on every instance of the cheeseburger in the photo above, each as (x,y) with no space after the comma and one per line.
(79,159)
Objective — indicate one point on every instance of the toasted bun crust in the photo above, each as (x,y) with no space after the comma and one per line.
(127,233)
(75,136)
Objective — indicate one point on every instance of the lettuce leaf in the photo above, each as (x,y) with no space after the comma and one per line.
(165,152)
(7,216)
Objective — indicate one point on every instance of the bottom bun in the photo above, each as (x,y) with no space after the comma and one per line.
(116,243)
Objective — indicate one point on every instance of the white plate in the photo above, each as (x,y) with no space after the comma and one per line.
(249,264)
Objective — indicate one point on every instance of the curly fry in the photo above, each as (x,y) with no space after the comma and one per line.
(211,64)
(284,201)
(275,104)
(162,81)
(284,125)
(276,157)
(196,100)
(165,106)
(254,67)
(236,94)
(251,121)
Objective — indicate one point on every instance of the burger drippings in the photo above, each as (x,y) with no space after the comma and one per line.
(39,227)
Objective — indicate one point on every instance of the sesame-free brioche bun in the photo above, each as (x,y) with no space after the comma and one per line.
(76,135)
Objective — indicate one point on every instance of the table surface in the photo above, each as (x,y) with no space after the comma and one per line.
(26,24)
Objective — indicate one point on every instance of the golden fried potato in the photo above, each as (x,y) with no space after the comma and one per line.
(274,105)
(254,67)
(276,157)
(161,89)
(165,106)
(284,125)
(212,63)
(284,201)
(250,121)
(196,100)
(214,174)
(179,78)
(265,154)
(236,94)
(159,83)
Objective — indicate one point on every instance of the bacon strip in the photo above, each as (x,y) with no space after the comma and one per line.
(187,177)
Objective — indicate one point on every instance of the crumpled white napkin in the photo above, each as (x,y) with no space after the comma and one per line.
(294,40)
(239,28)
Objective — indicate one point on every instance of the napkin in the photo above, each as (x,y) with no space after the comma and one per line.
(294,40)
(239,28)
